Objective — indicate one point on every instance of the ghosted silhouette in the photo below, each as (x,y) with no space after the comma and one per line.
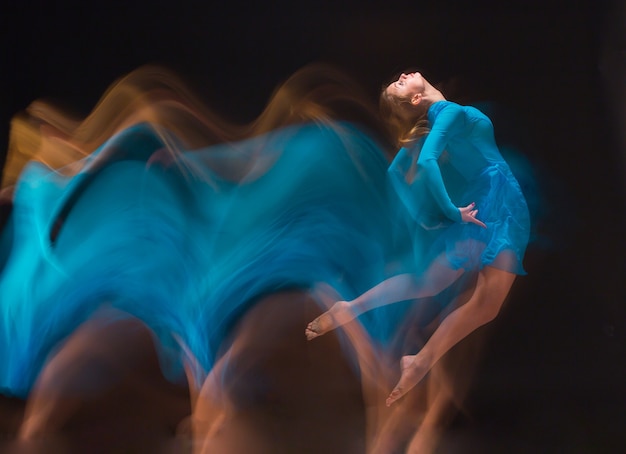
(159,263)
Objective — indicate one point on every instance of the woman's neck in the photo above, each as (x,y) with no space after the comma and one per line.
(431,95)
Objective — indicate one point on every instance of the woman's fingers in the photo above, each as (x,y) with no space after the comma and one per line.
(468,214)
(480,223)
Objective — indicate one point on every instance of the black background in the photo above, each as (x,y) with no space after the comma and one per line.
(553,374)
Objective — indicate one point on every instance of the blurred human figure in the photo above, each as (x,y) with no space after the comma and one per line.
(484,229)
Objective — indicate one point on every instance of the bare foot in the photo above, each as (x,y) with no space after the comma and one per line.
(412,373)
(336,316)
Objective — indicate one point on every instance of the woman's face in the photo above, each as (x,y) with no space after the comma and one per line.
(407,86)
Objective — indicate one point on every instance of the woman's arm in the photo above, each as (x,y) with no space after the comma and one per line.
(448,122)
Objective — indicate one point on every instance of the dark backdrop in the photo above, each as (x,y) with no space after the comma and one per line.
(553,374)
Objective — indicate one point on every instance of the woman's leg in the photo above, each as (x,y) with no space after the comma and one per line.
(398,288)
(492,288)
(104,383)
(274,392)
(419,420)
(448,383)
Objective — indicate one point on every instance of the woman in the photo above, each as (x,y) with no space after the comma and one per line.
(485,227)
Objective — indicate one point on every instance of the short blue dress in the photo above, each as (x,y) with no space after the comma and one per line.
(455,164)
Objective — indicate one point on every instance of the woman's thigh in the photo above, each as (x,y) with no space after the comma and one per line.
(104,388)
(278,392)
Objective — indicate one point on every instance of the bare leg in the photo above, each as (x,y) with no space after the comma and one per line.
(109,360)
(397,288)
(429,432)
(447,384)
(416,423)
(441,402)
(491,290)
(430,404)
(401,423)
(272,391)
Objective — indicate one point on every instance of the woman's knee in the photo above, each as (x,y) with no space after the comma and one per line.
(492,290)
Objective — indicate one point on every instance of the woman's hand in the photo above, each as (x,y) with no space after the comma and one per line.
(468,214)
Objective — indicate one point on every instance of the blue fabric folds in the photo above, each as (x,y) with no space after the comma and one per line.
(186,242)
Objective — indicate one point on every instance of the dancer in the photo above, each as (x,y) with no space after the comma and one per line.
(485,228)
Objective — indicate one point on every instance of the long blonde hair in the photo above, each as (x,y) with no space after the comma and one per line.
(406,124)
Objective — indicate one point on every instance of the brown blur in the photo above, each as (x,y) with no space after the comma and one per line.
(153,94)
(271,391)
(274,392)
(103,391)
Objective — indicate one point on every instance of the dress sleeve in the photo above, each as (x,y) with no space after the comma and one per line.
(447,123)
(400,165)
(402,174)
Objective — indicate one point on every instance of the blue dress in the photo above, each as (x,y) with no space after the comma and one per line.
(186,240)
(455,164)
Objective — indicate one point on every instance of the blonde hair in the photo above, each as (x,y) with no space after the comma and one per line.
(407,124)
(156,95)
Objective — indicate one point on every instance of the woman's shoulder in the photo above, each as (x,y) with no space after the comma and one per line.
(449,107)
